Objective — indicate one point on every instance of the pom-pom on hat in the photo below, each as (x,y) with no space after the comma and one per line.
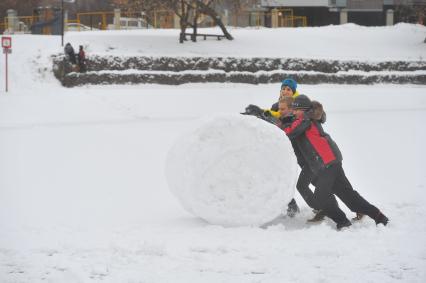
(302,102)
(290,83)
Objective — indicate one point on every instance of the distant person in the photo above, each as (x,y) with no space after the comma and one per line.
(69,53)
(81,60)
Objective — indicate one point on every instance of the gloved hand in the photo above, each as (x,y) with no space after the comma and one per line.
(254,110)
(287,119)
(267,114)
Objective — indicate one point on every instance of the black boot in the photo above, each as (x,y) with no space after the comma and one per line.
(292,208)
(342,225)
(358,217)
(381,219)
(318,217)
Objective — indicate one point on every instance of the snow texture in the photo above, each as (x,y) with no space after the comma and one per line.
(233,171)
(83,196)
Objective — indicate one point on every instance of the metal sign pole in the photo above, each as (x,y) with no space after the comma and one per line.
(6,43)
(62,24)
(63,20)
(7,77)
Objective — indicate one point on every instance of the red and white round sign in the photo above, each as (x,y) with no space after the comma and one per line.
(6,42)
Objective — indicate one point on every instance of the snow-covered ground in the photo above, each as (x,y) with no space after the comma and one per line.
(84,198)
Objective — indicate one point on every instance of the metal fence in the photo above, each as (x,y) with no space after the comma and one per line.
(157,19)
(285,18)
(20,24)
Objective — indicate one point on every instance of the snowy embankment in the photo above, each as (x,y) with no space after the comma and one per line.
(83,196)
(334,54)
(179,70)
(346,42)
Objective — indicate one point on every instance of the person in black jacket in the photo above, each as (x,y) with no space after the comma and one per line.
(324,160)
(284,113)
(69,52)
(306,177)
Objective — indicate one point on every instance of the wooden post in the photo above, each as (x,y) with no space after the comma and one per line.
(176,21)
(117,16)
(343,16)
(274,18)
(389,17)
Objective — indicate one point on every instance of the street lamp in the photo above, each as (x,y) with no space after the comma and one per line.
(62,18)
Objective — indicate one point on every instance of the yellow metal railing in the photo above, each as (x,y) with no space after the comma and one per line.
(77,22)
(103,15)
(24,23)
(246,18)
(285,17)
(285,13)
(166,19)
(293,21)
(257,19)
(163,19)
(299,21)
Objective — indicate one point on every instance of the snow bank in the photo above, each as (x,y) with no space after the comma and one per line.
(233,171)
(343,42)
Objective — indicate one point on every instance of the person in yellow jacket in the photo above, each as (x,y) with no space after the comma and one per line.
(288,88)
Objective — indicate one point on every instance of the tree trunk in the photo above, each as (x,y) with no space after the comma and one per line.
(219,22)
(206,9)
(183,21)
(196,15)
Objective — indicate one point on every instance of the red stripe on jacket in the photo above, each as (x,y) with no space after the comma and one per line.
(293,126)
(320,144)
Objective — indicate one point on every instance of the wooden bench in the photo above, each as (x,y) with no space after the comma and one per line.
(218,36)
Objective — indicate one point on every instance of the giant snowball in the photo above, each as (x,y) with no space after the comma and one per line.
(233,171)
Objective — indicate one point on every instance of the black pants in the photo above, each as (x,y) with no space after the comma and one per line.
(306,177)
(332,180)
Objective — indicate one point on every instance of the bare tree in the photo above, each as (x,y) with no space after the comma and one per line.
(205,8)
(410,13)
(188,12)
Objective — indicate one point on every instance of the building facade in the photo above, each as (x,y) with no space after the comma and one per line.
(362,12)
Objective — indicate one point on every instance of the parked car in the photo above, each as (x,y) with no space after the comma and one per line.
(79,27)
(131,23)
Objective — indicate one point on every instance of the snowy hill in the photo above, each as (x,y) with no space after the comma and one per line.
(348,42)
(84,198)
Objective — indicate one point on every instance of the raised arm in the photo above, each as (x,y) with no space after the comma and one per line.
(297,127)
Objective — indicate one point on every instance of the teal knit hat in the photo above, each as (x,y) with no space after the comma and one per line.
(290,83)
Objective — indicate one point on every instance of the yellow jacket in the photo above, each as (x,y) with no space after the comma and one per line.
(276,114)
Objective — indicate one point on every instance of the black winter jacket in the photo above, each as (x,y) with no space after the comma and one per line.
(315,148)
